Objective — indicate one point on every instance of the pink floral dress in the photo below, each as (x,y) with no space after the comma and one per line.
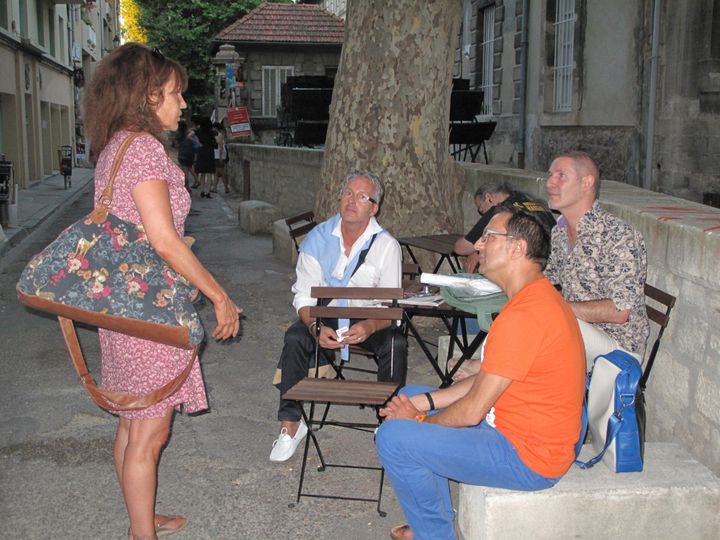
(129,364)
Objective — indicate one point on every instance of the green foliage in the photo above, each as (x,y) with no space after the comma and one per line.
(183,30)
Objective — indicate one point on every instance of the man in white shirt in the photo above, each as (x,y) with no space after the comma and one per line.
(349,250)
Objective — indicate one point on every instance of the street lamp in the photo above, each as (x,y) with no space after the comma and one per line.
(116,41)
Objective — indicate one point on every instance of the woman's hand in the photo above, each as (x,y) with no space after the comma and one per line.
(228,319)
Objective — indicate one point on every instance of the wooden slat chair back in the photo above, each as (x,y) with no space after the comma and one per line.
(314,390)
(410,271)
(661,318)
(356,293)
(299,226)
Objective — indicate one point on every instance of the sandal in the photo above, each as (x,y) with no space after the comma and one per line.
(161,526)
(401,533)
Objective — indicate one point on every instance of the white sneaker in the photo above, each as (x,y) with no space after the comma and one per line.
(284,446)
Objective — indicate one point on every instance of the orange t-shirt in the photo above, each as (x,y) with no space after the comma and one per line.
(536,342)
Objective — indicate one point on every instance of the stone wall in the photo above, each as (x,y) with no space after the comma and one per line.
(617,148)
(683,243)
(687,156)
(285,177)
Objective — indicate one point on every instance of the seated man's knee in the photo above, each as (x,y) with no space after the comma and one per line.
(394,437)
(296,333)
(386,437)
(414,389)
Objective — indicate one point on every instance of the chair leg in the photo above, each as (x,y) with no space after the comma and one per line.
(382,513)
(311,435)
(302,469)
(338,375)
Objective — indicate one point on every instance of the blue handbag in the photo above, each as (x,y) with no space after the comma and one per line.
(616,412)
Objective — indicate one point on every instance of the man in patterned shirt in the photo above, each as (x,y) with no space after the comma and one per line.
(599,260)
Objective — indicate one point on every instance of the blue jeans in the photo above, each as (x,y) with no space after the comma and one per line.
(420,458)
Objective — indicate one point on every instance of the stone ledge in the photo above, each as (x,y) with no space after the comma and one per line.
(283,246)
(674,497)
(257,217)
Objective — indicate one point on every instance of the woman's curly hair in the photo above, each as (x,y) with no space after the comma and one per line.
(125,93)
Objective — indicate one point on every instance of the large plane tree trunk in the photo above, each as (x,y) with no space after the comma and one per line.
(390,113)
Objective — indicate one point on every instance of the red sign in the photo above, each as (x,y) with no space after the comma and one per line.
(239,121)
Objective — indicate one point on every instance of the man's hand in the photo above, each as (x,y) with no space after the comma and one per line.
(399,407)
(328,338)
(472,262)
(358,333)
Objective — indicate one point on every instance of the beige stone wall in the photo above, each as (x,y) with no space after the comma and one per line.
(285,177)
(683,244)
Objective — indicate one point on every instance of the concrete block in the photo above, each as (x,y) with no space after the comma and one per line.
(257,217)
(707,396)
(674,497)
(283,246)
(443,345)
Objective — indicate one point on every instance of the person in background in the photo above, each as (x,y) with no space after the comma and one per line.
(185,153)
(205,160)
(136,89)
(221,158)
(486,198)
(515,424)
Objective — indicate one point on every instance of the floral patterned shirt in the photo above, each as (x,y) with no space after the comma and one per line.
(608,260)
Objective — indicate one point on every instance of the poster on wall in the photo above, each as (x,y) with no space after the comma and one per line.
(239,122)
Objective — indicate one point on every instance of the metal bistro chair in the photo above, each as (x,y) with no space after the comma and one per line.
(339,391)
(299,226)
(667,301)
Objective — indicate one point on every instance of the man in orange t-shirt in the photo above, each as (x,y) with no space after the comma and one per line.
(518,418)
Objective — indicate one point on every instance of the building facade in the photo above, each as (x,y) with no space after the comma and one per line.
(47,51)
(274,42)
(633,82)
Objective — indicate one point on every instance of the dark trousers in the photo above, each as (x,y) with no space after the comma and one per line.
(298,355)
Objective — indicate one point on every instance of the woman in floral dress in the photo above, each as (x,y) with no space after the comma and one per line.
(136,89)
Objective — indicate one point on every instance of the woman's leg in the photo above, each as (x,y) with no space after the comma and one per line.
(136,464)
(196,180)
(194,177)
(221,174)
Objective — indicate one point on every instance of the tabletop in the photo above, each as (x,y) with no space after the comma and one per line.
(444,244)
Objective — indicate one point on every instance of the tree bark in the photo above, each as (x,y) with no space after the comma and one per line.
(390,113)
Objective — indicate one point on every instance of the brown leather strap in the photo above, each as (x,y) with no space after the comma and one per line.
(105,200)
(108,399)
(176,336)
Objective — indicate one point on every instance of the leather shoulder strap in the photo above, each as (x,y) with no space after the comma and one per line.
(108,399)
(105,200)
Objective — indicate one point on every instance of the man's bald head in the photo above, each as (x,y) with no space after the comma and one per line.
(584,165)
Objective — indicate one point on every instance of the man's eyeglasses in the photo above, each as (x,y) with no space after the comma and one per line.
(359,196)
(487,233)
